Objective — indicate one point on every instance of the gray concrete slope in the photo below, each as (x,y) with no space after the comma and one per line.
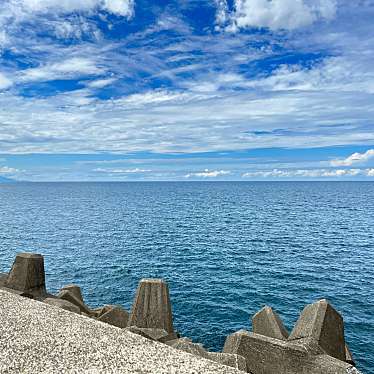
(40,338)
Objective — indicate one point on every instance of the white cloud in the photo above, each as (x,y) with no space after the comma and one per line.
(4,82)
(212,108)
(118,7)
(208,174)
(63,18)
(341,73)
(100,83)
(309,173)
(355,158)
(122,171)
(3,39)
(277,14)
(8,170)
(169,122)
(153,97)
(222,12)
(75,27)
(70,68)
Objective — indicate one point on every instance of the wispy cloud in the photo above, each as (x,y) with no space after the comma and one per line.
(94,77)
(309,173)
(58,18)
(8,170)
(100,83)
(122,171)
(67,69)
(4,82)
(208,174)
(120,7)
(355,158)
(21,10)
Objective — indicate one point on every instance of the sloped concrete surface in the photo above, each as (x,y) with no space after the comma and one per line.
(40,338)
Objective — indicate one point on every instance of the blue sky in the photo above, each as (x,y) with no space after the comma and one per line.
(186,90)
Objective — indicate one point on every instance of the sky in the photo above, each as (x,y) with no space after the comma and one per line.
(182,90)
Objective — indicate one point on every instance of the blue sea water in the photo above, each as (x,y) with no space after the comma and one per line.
(226,248)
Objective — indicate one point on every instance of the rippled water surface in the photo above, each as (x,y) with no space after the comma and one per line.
(226,249)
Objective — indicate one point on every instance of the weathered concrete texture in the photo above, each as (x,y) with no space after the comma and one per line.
(233,360)
(326,361)
(63,304)
(116,316)
(159,335)
(152,307)
(69,296)
(3,278)
(321,322)
(266,355)
(153,334)
(174,341)
(38,338)
(348,356)
(27,274)
(171,336)
(228,359)
(75,290)
(97,312)
(188,346)
(267,322)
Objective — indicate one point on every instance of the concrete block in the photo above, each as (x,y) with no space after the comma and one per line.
(3,279)
(69,296)
(27,274)
(63,304)
(152,307)
(159,335)
(97,312)
(266,355)
(187,345)
(228,359)
(330,365)
(174,341)
(267,322)
(116,316)
(36,338)
(171,336)
(75,290)
(321,322)
(348,356)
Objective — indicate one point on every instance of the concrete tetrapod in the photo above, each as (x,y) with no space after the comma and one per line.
(159,335)
(152,307)
(348,356)
(27,274)
(267,322)
(322,323)
(116,316)
(75,290)
(227,359)
(63,304)
(266,355)
(68,295)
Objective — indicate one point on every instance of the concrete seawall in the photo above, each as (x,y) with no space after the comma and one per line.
(45,333)
(39,338)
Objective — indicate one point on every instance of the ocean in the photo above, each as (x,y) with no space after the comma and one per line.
(225,248)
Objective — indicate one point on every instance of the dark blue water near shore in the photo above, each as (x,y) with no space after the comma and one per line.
(226,249)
